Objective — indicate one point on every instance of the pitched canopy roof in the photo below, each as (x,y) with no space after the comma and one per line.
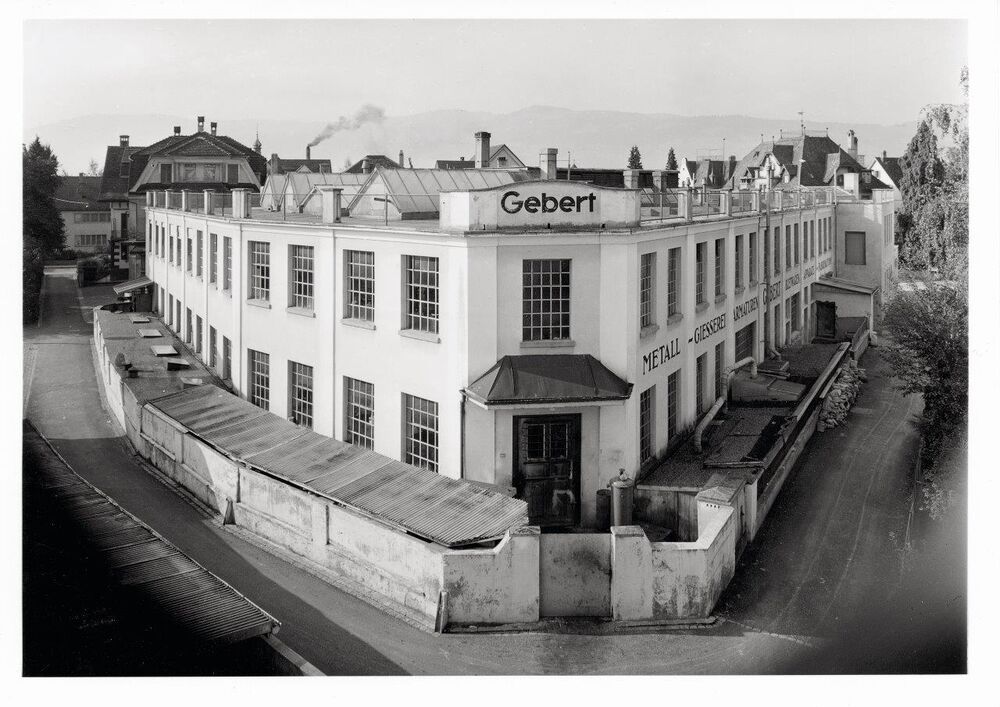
(547,379)
(417,191)
(79,194)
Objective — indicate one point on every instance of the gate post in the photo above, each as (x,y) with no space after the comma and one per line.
(631,574)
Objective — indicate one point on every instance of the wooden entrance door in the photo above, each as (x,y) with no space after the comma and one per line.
(547,468)
(826,319)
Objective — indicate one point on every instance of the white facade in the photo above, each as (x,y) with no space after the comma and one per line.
(480,271)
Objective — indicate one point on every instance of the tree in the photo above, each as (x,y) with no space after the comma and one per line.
(634,158)
(93,169)
(40,179)
(671,159)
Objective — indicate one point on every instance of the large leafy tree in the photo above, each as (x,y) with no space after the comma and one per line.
(40,179)
(634,158)
(671,159)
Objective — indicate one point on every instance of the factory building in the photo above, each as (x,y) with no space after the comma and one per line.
(536,334)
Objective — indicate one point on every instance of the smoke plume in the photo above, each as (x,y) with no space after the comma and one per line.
(367,114)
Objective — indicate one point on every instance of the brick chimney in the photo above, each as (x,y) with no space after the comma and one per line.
(366,166)
(214,126)
(853,150)
(482,150)
(547,163)
(177,130)
(201,123)
(308,152)
(123,140)
(401,163)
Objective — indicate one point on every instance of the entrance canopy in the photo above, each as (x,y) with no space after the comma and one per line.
(130,285)
(548,379)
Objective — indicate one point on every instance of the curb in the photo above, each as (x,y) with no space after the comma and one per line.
(594,626)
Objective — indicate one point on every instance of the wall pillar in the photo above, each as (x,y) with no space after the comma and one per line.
(631,574)
(726,198)
(525,558)
(184,199)
(241,203)
(208,206)
(150,196)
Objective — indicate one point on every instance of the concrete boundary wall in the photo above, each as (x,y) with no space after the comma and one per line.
(618,574)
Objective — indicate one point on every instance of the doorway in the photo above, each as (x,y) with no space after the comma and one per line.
(547,468)
(826,320)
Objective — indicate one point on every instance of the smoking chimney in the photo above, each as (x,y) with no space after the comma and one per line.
(884,155)
(401,163)
(123,140)
(308,152)
(214,126)
(482,150)
(201,123)
(853,151)
(177,130)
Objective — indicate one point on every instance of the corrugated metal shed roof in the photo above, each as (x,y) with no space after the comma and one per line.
(434,507)
(134,284)
(556,378)
(193,598)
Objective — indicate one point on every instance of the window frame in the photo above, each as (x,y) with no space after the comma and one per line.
(673,281)
(359,395)
(259,271)
(421,277)
(546,319)
(359,285)
(421,453)
(647,289)
(301,289)
(300,380)
(259,378)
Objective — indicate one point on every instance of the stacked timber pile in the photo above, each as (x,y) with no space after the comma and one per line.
(841,397)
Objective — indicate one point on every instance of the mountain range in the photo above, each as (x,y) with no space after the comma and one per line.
(590,138)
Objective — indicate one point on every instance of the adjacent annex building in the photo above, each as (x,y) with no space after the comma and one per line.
(539,335)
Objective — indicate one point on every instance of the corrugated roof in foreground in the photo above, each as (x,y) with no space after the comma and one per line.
(447,511)
(196,600)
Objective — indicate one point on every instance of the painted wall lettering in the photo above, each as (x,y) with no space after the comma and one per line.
(547,204)
(661,354)
(709,328)
(825,263)
(810,271)
(792,281)
(741,310)
(772,292)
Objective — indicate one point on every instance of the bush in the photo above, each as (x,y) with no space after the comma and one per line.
(32,275)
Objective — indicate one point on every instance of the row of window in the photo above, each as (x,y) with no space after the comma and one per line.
(94,217)
(164,247)
(193,334)
(809,241)
(189,172)
(82,240)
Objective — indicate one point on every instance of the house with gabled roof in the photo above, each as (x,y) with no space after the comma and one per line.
(485,157)
(86,219)
(888,170)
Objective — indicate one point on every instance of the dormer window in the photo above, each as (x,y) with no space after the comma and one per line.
(502,161)
(166,173)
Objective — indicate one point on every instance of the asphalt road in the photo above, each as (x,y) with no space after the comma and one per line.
(827,557)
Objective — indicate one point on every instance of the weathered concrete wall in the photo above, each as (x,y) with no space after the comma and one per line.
(575,574)
(632,574)
(498,585)
(688,578)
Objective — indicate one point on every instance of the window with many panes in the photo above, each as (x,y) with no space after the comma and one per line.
(673,275)
(647,278)
(752,258)
(197,334)
(720,267)
(545,300)
(420,432)
(738,267)
(359,412)
(300,394)
(188,329)
(777,250)
(720,375)
(213,258)
(699,271)
(171,261)
(699,383)
(788,247)
(259,259)
(300,258)
(213,347)
(673,400)
(227,358)
(646,399)
(795,241)
(201,254)
(258,378)
(359,282)
(190,252)
(227,263)
(421,311)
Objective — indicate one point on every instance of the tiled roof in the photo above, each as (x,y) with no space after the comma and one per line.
(113,185)
(373,162)
(80,194)
(812,161)
(293,164)
(454,164)
(893,169)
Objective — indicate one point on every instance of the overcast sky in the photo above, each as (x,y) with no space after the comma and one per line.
(834,70)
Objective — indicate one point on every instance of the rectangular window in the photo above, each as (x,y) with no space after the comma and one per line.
(156,240)
(300,258)
(232,173)
(421,293)
(300,394)
(171,250)
(673,398)
(197,334)
(227,359)
(166,173)
(795,312)
(201,254)
(812,240)
(720,267)
(738,272)
(545,300)
(259,258)
(178,319)
(227,263)
(359,281)
(213,258)
(420,432)
(777,250)
(213,348)
(258,378)
(699,272)
(720,369)
(170,311)
(699,383)
(188,329)
(854,248)
(189,252)
(752,260)
(788,247)
(359,413)
(745,341)
(795,240)
(647,277)
(646,399)
(673,273)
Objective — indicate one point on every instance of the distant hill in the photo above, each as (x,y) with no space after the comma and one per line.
(594,138)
